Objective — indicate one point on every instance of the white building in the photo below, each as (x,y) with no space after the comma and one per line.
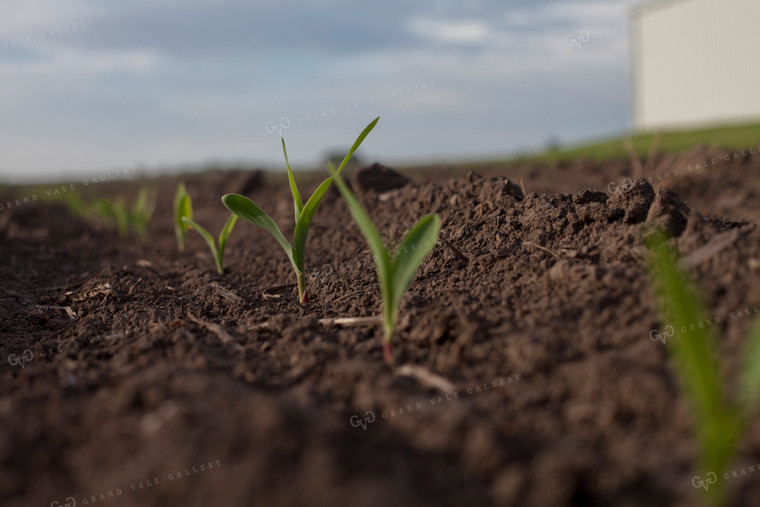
(695,63)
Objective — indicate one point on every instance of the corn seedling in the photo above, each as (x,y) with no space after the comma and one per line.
(217,249)
(142,211)
(138,216)
(183,207)
(183,222)
(120,214)
(719,420)
(115,213)
(395,272)
(304,214)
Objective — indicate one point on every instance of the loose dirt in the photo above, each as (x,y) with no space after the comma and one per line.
(529,363)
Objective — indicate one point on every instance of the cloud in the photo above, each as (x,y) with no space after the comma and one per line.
(60,68)
(161,81)
(196,29)
(30,18)
(463,32)
(570,14)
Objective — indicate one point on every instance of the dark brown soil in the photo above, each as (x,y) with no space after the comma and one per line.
(527,371)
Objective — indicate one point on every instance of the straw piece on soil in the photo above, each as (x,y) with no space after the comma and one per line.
(426,377)
(226,293)
(351,321)
(712,247)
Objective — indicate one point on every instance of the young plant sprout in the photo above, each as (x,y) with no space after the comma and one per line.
(115,212)
(183,207)
(217,249)
(141,212)
(183,222)
(304,214)
(120,214)
(719,420)
(395,272)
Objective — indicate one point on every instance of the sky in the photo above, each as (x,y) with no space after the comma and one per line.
(90,86)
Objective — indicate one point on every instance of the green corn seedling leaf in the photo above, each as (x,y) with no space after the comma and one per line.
(297,202)
(217,249)
(142,211)
(222,243)
(394,273)
(304,223)
(225,234)
(246,209)
(383,261)
(357,143)
(141,203)
(717,423)
(304,213)
(203,232)
(183,207)
(121,215)
(414,248)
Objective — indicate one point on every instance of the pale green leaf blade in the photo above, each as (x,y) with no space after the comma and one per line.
(223,236)
(383,262)
(203,232)
(357,143)
(416,245)
(695,357)
(226,231)
(749,388)
(245,208)
(182,208)
(368,230)
(186,207)
(121,214)
(304,222)
(297,202)
(142,211)
(144,205)
(141,202)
